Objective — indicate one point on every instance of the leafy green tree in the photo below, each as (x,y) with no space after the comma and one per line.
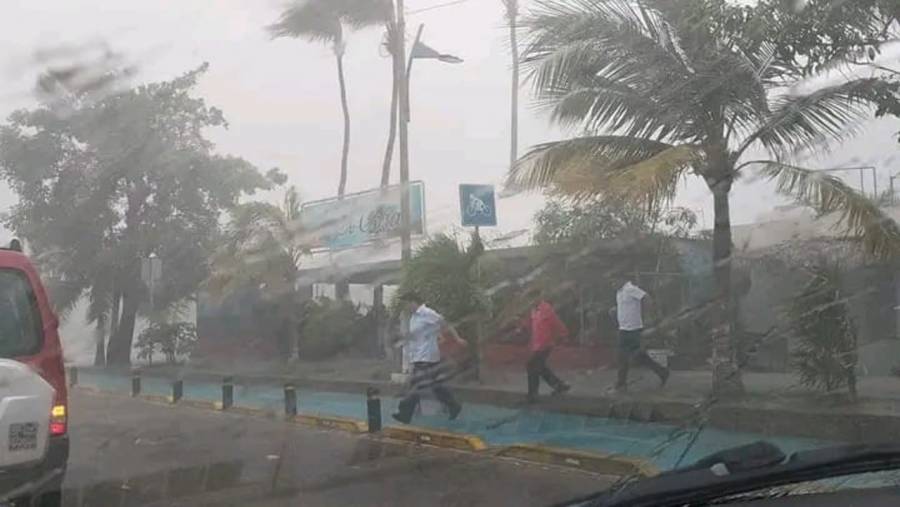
(331,326)
(173,340)
(327,21)
(103,184)
(560,221)
(663,90)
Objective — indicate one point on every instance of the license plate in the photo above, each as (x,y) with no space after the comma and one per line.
(23,436)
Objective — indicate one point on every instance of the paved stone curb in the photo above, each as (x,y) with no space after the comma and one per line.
(428,436)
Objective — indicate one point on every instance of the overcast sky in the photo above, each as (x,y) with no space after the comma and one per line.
(282,102)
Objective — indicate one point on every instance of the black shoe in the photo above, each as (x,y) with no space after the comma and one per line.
(454,411)
(399,418)
(664,378)
(562,389)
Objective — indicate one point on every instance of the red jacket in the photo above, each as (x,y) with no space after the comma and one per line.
(545,327)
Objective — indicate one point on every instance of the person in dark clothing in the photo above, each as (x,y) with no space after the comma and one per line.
(546,328)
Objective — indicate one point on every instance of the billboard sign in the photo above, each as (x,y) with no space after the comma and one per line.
(477,205)
(362,218)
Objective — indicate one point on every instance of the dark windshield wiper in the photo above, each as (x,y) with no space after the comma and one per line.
(745,469)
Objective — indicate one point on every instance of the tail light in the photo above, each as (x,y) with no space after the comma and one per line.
(58,420)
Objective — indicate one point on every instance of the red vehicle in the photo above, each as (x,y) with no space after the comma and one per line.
(34,443)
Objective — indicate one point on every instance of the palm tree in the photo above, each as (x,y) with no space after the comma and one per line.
(263,245)
(663,90)
(512,17)
(391,42)
(262,248)
(326,21)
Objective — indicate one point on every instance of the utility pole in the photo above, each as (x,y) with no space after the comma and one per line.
(403,96)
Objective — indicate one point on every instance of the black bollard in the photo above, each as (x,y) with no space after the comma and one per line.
(136,384)
(373,409)
(73,376)
(290,400)
(227,393)
(177,390)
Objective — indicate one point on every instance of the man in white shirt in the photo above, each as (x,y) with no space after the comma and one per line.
(426,329)
(628,312)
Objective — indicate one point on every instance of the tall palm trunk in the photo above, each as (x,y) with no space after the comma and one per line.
(726,371)
(339,54)
(100,337)
(116,310)
(119,353)
(514,107)
(397,63)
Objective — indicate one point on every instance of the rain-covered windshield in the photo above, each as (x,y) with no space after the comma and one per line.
(412,252)
(20,327)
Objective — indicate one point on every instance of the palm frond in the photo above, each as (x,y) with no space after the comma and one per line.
(263,247)
(596,102)
(857,216)
(584,167)
(649,182)
(618,66)
(800,122)
(565,35)
(511,8)
(362,13)
(64,295)
(312,20)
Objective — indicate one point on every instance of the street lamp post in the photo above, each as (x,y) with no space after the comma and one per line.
(402,73)
(403,96)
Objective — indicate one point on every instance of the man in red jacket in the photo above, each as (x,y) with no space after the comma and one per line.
(546,328)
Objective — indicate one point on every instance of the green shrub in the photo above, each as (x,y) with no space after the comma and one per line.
(329,327)
(825,356)
(444,274)
(174,340)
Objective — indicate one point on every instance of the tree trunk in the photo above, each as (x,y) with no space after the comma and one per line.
(116,310)
(514,114)
(397,62)
(726,370)
(119,353)
(100,353)
(342,186)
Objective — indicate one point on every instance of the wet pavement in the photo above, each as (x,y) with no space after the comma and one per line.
(131,452)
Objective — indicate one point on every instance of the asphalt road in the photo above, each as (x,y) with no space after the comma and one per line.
(132,452)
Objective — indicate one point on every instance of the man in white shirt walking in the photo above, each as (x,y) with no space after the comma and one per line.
(426,329)
(628,311)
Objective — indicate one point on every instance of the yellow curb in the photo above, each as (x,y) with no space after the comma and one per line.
(156,398)
(419,435)
(606,464)
(240,409)
(203,404)
(330,422)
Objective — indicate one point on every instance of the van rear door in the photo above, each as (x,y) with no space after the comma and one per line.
(26,399)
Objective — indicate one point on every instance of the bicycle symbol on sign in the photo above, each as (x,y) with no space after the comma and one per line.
(477,207)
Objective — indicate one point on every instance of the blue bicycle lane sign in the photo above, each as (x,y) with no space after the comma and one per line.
(477,205)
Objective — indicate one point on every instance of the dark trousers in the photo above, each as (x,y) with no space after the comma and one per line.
(630,351)
(425,376)
(537,369)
